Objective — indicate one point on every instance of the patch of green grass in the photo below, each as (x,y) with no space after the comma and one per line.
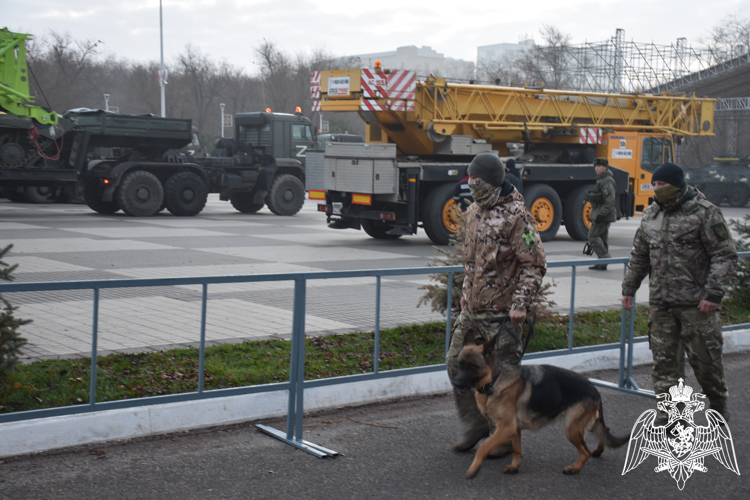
(64,382)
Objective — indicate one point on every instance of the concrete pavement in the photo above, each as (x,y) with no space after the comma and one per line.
(399,450)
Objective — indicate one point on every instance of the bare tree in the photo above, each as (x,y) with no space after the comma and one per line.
(729,38)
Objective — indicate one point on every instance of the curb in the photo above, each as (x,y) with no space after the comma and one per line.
(33,436)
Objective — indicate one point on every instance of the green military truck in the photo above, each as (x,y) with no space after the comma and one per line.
(727,178)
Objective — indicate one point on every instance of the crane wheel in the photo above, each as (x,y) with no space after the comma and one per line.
(185,194)
(438,214)
(546,208)
(577,213)
(42,195)
(378,229)
(140,194)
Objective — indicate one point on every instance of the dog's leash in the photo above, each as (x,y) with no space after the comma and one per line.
(505,324)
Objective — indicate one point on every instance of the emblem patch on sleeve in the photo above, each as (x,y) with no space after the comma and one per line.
(606,191)
(528,238)
(721,231)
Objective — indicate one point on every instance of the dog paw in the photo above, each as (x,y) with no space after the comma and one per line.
(471,473)
(570,470)
(597,453)
(511,470)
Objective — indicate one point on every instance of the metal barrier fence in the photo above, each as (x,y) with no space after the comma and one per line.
(296,384)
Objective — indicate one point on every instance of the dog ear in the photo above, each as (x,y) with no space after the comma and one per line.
(469,337)
(489,346)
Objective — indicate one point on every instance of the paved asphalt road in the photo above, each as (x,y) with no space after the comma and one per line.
(407,456)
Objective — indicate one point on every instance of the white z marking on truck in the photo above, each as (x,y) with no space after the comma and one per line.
(301,152)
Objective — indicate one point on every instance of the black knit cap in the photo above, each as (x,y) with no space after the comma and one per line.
(669,173)
(601,161)
(489,168)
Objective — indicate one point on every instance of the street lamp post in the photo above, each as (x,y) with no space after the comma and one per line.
(106,102)
(162,75)
(222,119)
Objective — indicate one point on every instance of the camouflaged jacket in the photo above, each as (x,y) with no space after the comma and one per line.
(503,257)
(686,250)
(603,197)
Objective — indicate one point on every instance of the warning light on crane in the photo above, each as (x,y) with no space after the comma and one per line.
(268,110)
(378,64)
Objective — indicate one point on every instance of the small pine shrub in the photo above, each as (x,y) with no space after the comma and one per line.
(10,339)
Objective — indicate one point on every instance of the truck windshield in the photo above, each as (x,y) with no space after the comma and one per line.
(301,132)
(655,151)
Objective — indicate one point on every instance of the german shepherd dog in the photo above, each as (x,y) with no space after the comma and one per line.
(517,398)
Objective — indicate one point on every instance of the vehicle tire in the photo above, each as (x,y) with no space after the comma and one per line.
(286,196)
(546,207)
(737,196)
(438,214)
(713,195)
(92,194)
(140,194)
(243,202)
(15,196)
(41,195)
(185,194)
(378,229)
(577,213)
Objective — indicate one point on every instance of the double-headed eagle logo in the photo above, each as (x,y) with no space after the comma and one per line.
(680,446)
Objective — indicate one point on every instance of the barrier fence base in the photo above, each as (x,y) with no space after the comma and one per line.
(311,448)
(633,389)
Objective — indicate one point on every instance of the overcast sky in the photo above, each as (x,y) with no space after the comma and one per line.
(231,29)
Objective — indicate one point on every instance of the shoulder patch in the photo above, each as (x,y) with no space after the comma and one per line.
(528,237)
(705,204)
(721,231)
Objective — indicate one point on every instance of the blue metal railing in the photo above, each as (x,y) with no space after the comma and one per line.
(296,383)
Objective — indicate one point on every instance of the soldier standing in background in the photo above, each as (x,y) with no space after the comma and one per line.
(504,264)
(685,247)
(603,211)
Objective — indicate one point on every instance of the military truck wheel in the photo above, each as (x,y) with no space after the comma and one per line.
(378,229)
(577,213)
(713,195)
(14,196)
(185,194)
(243,202)
(546,207)
(737,196)
(41,195)
(140,194)
(286,196)
(92,194)
(438,214)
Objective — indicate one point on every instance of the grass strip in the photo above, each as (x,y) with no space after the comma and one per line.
(64,382)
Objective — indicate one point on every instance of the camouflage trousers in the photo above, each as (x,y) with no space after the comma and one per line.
(599,239)
(675,331)
(508,349)
(475,425)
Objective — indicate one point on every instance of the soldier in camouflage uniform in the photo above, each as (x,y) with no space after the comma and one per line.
(603,211)
(504,265)
(685,247)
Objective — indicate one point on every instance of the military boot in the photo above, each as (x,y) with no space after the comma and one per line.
(474,424)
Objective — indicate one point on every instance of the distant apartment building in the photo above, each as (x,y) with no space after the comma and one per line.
(424,60)
(497,51)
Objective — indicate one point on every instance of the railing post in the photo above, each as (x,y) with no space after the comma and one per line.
(572,308)
(299,315)
(623,330)
(202,353)
(376,352)
(449,308)
(631,334)
(94,338)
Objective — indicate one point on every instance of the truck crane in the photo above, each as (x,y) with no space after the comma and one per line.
(433,128)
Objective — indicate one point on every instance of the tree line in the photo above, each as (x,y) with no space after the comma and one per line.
(68,74)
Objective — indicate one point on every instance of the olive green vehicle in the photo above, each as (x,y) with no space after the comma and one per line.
(727,178)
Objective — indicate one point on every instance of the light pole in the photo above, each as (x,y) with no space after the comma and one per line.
(222,119)
(162,74)
(106,102)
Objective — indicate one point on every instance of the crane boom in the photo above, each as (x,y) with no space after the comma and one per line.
(500,115)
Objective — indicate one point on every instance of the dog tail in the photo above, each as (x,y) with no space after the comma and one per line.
(601,431)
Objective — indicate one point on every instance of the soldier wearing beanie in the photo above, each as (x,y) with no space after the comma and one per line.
(504,264)
(684,244)
(603,211)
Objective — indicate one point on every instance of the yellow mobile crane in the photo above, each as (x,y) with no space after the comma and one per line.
(437,127)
